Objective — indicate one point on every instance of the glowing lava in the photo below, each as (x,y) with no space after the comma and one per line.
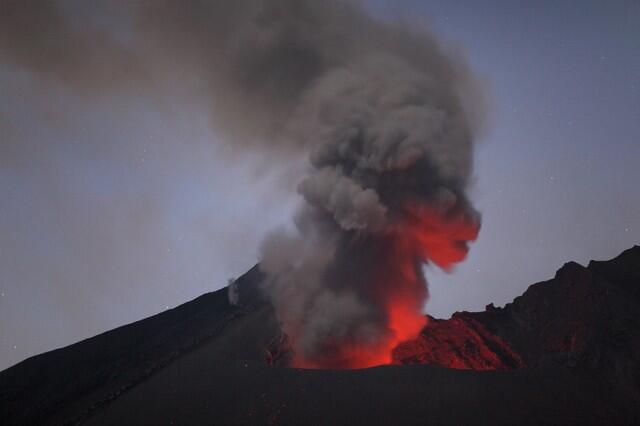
(388,268)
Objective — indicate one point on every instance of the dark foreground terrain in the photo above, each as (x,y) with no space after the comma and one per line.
(565,352)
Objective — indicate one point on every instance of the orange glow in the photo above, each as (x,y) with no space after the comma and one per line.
(398,285)
(460,342)
(441,238)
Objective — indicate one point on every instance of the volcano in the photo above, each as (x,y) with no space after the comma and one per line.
(565,352)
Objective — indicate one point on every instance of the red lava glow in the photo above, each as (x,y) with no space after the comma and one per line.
(441,238)
(398,286)
(461,343)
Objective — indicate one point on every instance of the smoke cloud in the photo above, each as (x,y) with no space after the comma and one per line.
(386,119)
(383,115)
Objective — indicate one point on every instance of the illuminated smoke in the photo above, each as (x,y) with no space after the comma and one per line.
(386,120)
(383,114)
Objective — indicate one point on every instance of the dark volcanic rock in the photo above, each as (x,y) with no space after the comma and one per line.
(584,318)
(460,342)
(67,385)
(568,350)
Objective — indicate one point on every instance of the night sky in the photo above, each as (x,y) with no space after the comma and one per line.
(118,205)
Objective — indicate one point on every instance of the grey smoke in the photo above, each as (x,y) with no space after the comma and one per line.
(384,116)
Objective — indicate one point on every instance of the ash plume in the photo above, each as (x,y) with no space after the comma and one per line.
(384,116)
(386,119)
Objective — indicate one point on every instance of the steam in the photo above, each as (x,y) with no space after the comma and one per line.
(384,117)
(233,294)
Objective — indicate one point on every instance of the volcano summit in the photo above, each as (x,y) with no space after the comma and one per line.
(565,352)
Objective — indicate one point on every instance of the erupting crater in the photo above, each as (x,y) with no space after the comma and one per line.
(460,342)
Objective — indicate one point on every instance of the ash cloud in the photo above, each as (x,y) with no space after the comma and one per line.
(383,114)
(386,119)
(77,44)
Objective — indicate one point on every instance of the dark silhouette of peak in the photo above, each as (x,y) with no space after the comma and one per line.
(68,384)
(567,351)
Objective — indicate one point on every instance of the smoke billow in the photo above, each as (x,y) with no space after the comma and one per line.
(386,119)
(384,115)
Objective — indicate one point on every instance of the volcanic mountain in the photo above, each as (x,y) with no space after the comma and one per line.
(565,352)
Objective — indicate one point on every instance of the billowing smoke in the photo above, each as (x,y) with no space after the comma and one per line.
(390,148)
(383,115)
(386,119)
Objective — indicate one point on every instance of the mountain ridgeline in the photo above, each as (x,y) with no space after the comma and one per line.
(566,351)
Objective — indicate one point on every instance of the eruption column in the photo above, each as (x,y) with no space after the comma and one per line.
(385,118)
(383,114)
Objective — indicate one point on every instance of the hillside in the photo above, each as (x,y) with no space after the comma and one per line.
(566,351)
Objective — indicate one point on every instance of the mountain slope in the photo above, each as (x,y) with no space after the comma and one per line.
(66,385)
(566,351)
